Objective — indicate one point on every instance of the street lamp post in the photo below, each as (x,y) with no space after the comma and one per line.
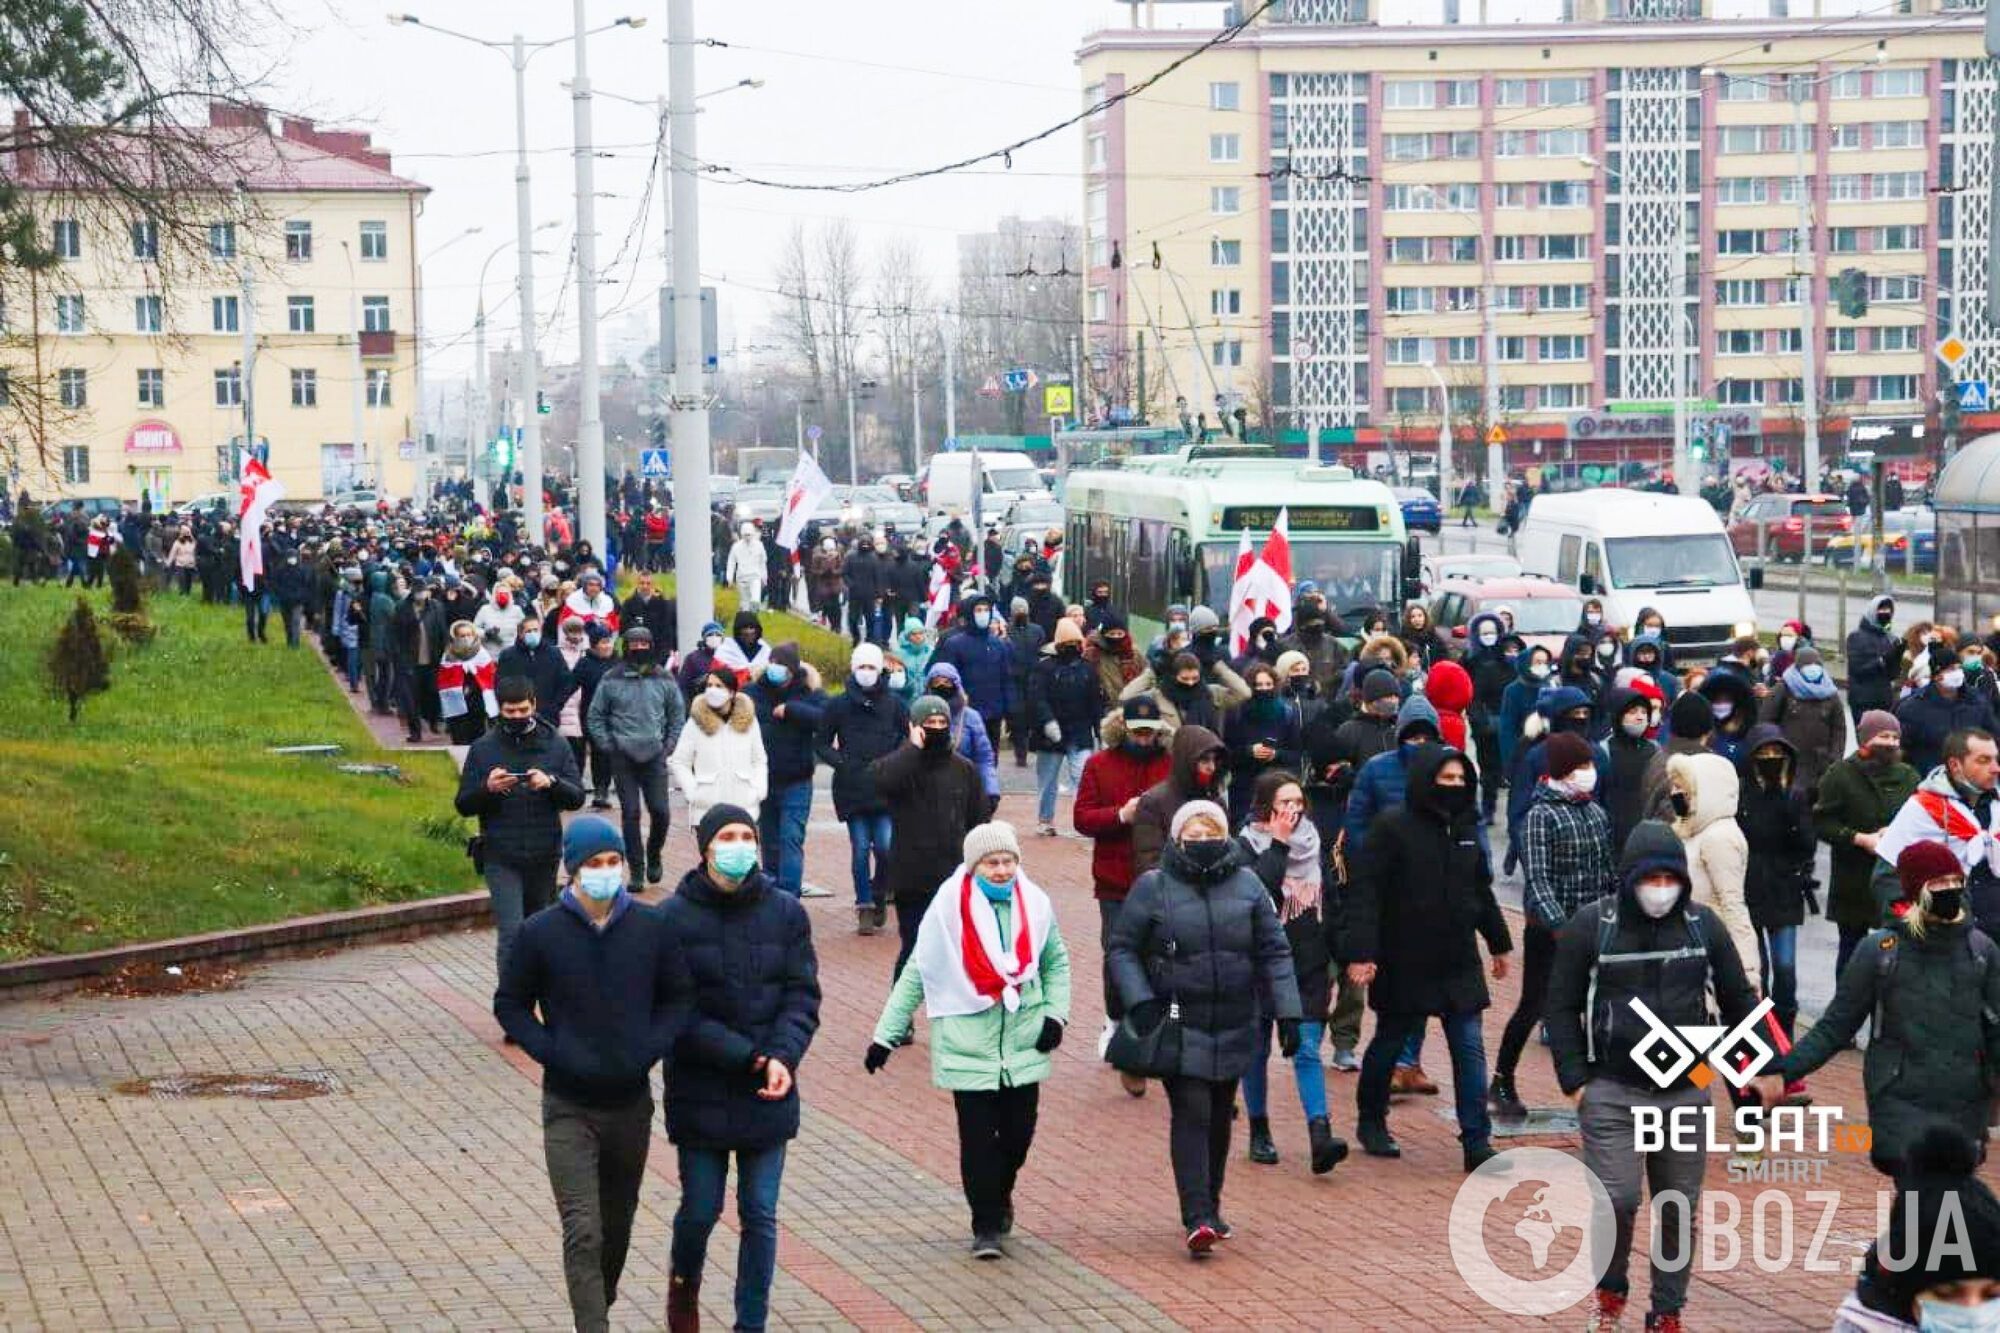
(692,551)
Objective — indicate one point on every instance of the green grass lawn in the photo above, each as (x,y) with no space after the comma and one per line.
(822,647)
(161,813)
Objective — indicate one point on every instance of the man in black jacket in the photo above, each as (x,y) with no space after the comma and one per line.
(593,967)
(1649,946)
(864,723)
(418,631)
(864,586)
(935,796)
(540,662)
(518,779)
(1874,656)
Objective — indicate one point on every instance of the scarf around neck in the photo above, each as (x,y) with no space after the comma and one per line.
(1302,872)
(1801,688)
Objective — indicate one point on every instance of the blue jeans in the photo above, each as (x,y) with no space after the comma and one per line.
(1468,1069)
(781,834)
(1306,1068)
(352,653)
(704,1175)
(1778,956)
(1049,766)
(866,833)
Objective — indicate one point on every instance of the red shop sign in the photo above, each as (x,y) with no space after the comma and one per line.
(152,437)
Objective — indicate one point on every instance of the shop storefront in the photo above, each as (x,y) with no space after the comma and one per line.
(152,452)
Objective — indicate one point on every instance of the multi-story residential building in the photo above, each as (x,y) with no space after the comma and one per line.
(1334,218)
(290,293)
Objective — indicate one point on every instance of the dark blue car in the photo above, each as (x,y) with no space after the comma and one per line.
(1420,509)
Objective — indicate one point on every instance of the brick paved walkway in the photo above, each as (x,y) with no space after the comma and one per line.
(414,1196)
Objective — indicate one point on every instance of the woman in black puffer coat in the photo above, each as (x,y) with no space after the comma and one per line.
(1200,935)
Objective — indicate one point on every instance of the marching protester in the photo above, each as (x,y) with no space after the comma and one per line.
(1776,818)
(719,758)
(1064,702)
(536,657)
(789,706)
(635,717)
(1955,804)
(1805,704)
(1196,764)
(968,729)
(1858,796)
(934,797)
(860,725)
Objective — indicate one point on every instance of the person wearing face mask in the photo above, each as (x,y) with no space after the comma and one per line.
(465,679)
(1187,696)
(291,587)
(988,669)
(1025,642)
(743,981)
(934,797)
(914,646)
(789,703)
(635,717)
(1792,635)
(1533,670)
(1561,710)
(1874,658)
(573,650)
(860,725)
(1315,631)
(1858,796)
(1978,661)
(1492,670)
(744,652)
(992,974)
(720,758)
(1064,703)
(1955,804)
(1263,736)
(1421,899)
(543,663)
(700,661)
(499,619)
(1805,704)
(1579,666)
(583,995)
(1705,794)
(1379,651)
(1110,652)
(968,729)
(1198,766)
(1649,654)
(1928,1285)
(599,657)
(378,654)
(865,574)
(829,582)
(1733,703)
(1627,752)
(1650,942)
(591,602)
(1197,943)
(1776,818)
(1690,724)
(1590,623)
(1940,708)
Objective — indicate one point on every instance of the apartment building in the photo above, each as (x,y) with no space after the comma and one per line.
(290,295)
(1340,220)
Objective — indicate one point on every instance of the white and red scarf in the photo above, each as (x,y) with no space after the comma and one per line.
(1935,813)
(581,606)
(457,675)
(966,967)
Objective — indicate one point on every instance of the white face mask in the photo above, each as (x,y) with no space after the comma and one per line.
(1722,709)
(1785,642)
(1583,781)
(716,697)
(1488,638)
(866,676)
(1539,670)
(712,641)
(1939,1317)
(1952,679)
(898,679)
(1656,900)
(1593,618)
(1636,727)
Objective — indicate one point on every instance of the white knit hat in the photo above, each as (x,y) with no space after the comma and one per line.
(986,839)
(866,655)
(1196,809)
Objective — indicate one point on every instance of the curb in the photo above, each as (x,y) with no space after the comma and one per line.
(299,935)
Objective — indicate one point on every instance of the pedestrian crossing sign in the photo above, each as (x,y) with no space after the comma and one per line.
(1973,396)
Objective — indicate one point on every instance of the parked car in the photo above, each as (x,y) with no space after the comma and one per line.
(1909,541)
(878,507)
(1545,612)
(1420,509)
(226,502)
(91,505)
(360,500)
(1483,565)
(1781,520)
(759,502)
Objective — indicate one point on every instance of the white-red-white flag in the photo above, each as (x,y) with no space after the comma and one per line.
(1277,557)
(257,491)
(938,605)
(803,494)
(1263,587)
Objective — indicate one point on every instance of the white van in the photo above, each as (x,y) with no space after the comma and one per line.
(1639,549)
(947,482)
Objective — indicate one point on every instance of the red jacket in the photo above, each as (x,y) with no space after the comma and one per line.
(1449,690)
(1110,778)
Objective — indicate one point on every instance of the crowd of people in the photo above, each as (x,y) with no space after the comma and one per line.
(1287,828)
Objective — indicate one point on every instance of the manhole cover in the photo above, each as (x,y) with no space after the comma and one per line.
(266,1087)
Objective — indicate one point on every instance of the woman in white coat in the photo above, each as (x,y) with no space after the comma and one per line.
(1704,790)
(720,757)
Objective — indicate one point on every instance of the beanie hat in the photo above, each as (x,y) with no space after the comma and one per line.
(866,655)
(1203,619)
(1691,716)
(596,630)
(1378,684)
(1939,1179)
(928,706)
(1290,659)
(711,627)
(718,818)
(1142,711)
(1067,632)
(1018,607)
(636,635)
(1873,723)
(1922,862)
(985,839)
(1196,809)
(588,835)
(1807,655)
(1566,752)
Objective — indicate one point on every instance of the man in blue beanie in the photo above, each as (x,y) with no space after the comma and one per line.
(592,963)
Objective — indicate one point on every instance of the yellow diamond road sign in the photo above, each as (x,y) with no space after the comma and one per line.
(1952,351)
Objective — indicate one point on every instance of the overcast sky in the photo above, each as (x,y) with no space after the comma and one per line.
(851,90)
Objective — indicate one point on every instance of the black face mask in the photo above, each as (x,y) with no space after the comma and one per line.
(1300,685)
(1772,771)
(1883,618)
(1947,904)
(1069,651)
(518,726)
(936,739)
(944,689)
(1206,856)
(1139,749)
(1682,806)
(1454,801)
(1265,693)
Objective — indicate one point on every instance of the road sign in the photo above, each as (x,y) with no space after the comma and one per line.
(813,433)
(990,389)
(951,444)
(1497,435)
(1017,381)
(655,463)
(1952,350)
(1058,400)
(1972,396)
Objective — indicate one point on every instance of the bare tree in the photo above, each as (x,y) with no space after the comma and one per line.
(905,326)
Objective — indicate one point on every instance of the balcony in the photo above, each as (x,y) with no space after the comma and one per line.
(379,344)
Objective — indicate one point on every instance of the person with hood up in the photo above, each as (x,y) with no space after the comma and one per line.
(914,646)
(591,602)
(701,659)
(1942,1238)
(828,582)
(1315,632)
(1776,817)
(720,758)
(635,717)
(1858,796)
(1110,652)
(934,797)
(1732,703)
(863,723)
(1648,653)
(1940,708)
(789,704)
(1533,671)
(865,576)
(1690,723)
(1263,736)
(1197,765)
(984,660)
(1025,641)
(1198,943)
(1098,607)
(1651,943)
(1064,703)
(968,729)
(745,652)
(541,661)
(992,972)
(1578,666)
(1705,794)
(1449,688)
(1491,668)
(348,623)
(1382,652)
(747,570)
(1874,658)
(1805,704)
(1418,636)
(1260,644)
(1421,899)
(1627,755)
(1564,709)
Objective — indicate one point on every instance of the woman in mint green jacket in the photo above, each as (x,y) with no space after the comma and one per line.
(990,968)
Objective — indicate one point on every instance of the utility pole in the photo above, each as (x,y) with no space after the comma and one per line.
(853,444)
(1684,482)
(916,420)
(249,325)
(475,452)
(530,457)
(590,420)
(693,555)
(1802,254)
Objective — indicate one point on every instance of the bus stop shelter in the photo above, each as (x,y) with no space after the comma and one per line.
(1967,501)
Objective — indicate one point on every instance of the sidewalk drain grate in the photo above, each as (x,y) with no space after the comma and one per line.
(265,1087)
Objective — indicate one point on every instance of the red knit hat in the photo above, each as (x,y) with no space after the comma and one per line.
(1922,862)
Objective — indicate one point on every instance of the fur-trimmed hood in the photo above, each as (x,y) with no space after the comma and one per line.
(742,715)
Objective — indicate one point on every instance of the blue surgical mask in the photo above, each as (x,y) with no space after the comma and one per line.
(1938,1317)
(982,618)
(532,638)
(1814,673)
(601,883)
(997,892)
(736,859)
(777,674)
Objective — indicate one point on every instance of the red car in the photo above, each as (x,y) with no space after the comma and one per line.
(1781,520)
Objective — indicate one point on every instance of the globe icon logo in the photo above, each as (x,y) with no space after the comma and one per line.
(1531,1231)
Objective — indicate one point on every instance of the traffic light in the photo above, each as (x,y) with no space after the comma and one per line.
(503,454)
(657,432)
(1850,292)
(542,407)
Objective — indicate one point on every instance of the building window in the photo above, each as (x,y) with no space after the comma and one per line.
(1226,353)
(1225,97)
(1899,134)
(1739,242)
(1098,153)
(1844,240)
(1513,194)
(1565,194)
(1741,139)
(72,388)
(222,240)
(68,238)
(1565,92)
(1560,397)
(1225,147)
(1510,298)
(1410,300)
(145,238)
(1406,249)
(1225,199)
(225,314)
(1842,340)
(1896,338)
(1843,189)
(1902,287)
(1462,350)
(1788,189)
(229,387)
(1510,92)
(1795,138)
(1844,138)
(69,314)
(1563,347)
(147,314)
(1513,397)
(1461,298)
(76,464)
(1789,340)
(1740,393)
(1898,83)
(375,314)
(299,314)
(1846,86)
(1462,145)
(1839,389)
(378,383)
(1742,190)
(305,388)
(1461,249)
(1565,247)
(1224,254)
(1563,296)
(153,388)
(1409,94)
(1225,301)
(1512,348)
(298,241)
(1461,92)
(1100,305)
(1895,388)
(1409,400)
(1739,291)
(1409,351)
(374,240)
(1791,291)
(1739,342)
(1563,143)
(1789,391)
(1407,147)
(1742,88)
(1899,238)
(1510,143)
(1897,185)
(1510,248)
(1461,197)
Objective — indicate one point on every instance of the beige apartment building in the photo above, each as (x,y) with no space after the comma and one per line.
(1341,220)
(289,298)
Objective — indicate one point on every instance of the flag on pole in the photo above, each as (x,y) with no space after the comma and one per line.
(803,494)
(1277,557)
(257,491)
(1263,587)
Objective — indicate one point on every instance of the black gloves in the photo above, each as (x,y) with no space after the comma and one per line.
(1052,1033)
(878,1055)
(1288,1037)
(1146,1015)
